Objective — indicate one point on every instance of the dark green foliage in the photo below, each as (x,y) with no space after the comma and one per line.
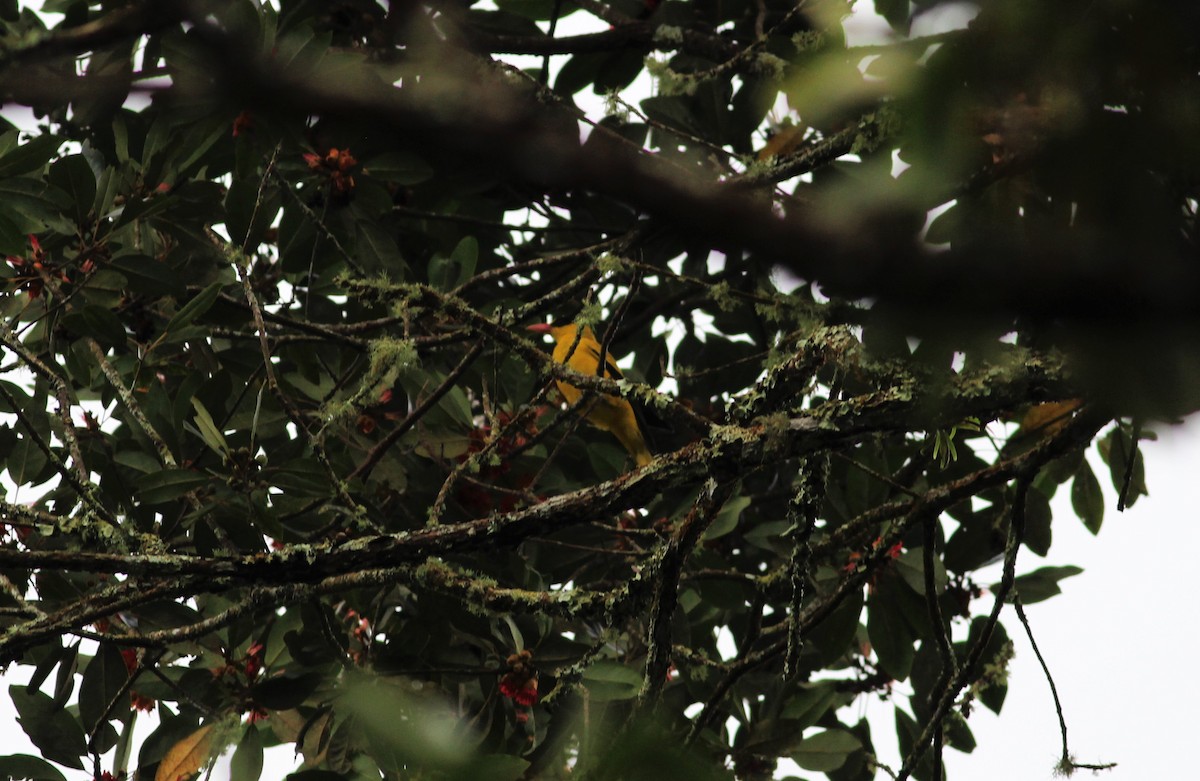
(288,467)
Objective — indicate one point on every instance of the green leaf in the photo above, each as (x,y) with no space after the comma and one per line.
(826,751)
(607,458)
(301,477)
(618,70)
(145,208)
(907,732)
(810,703)
(246,216)
(466,256)
(30,156)
(1086,498)
(34,205)
(137,459)
(169,484)
(768,536)
(103,325)
(120,139)
(377,251)
(149,276)
(447,273)
(496,767)
(199,140)
(1038,517)
(830,639)
(503,23)
(103,680)
(300,50)
(25,461)
(12,239)
(911,566)
(212,436)
(609,681)
(403,730)
(958,734)
(672,111)
(889,632)
(28,768)
(74,176)
(106,191)
(442,445)
(577,72)
(1041,584)
(247,761)
(52,729)
(1116,450)
(996,652)
(195,308)
(727,519)
(284,692)
(458,406)
(896,13)
(401,167)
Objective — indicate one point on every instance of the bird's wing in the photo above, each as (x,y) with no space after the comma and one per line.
(611,369)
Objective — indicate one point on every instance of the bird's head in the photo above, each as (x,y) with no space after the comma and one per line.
(558,332)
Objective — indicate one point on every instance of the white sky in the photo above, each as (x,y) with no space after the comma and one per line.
(1118,641)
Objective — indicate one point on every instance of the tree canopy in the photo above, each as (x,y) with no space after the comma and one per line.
(289,468)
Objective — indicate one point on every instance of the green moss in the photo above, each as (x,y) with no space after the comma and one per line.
(668,35)
(590,314)
(671,82)
(767,64)
(609,263)
(808,40)
(874,129)
(387,358)
(721,294)
(776,431)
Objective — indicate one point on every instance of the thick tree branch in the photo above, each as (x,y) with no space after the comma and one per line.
(726,455)
(517,136)
(118,26)
(668,567)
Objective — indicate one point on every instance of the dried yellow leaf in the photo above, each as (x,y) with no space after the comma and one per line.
(1048,418)
(187,757)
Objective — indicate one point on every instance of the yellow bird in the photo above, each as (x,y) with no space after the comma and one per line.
(611,413)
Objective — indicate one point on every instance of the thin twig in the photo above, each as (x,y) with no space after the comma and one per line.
(376,454)
(1066,763)
(148,660)
(968,671)
(538,264)
(165,456)
(463,219)
(62,394)
(941,638)
(84,490)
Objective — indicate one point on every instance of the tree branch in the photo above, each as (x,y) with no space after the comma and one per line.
(1066,764)
(667,569)
(969,670)
(114,27)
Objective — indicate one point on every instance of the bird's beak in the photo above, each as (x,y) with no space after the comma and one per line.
(539,328)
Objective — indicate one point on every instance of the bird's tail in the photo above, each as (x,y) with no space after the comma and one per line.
(636,445)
